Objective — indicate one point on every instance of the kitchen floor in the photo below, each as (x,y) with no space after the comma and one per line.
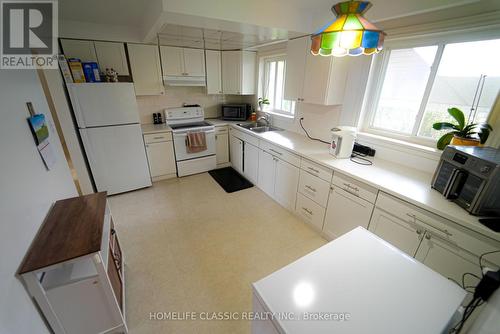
(190,246)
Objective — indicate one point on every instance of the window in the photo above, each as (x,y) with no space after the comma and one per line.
(419,85)
(273,84)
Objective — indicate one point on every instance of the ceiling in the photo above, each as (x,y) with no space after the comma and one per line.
(177,35)
(229,24)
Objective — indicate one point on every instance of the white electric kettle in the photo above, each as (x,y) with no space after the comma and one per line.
(343,138)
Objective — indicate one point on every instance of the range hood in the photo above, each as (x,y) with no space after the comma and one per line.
(172,80)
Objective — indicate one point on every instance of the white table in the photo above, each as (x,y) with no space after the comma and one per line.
(358,275)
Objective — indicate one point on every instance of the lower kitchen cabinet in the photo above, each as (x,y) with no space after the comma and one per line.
(236,148)
(399,232)
(278,179)
(267,172)
(285,187)
(161,156)
(222,147)
(447,258)
(445,247)
(345,212)
(251,162)
(310,211)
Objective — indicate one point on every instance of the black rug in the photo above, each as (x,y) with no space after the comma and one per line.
(230,180)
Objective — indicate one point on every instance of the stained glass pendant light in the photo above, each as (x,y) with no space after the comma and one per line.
(350,34)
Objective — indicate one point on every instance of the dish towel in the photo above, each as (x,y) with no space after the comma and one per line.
(196,142)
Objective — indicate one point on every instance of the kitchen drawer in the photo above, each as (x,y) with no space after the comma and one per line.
(314,188)
(355,187)
(310,211)
(439,227)
(221,129)
(318,170)
(244,136)
(280,153)
(157,137)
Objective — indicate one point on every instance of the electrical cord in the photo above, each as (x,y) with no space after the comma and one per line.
(481,259)
(469,309)
(307,134)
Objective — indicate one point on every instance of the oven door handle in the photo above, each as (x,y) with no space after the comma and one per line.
(457,182)
(183,134)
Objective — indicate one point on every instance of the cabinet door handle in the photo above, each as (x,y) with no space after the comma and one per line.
(215,137)
(157,137)
(310,188)
(445,231)
(419,231)
(313,169)
(428,236)
(307,210)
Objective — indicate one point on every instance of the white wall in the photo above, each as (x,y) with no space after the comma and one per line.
(27,190)
(177,96)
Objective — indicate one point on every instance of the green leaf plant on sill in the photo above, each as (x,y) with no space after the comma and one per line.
(462,134)
(261,101)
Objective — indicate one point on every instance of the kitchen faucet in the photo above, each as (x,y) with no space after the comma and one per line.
(266,118)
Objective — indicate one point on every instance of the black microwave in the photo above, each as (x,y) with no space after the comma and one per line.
(236,112)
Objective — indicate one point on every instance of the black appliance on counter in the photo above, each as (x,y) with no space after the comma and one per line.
(236,112)
(470,176)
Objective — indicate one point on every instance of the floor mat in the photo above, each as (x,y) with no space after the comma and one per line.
(230,180)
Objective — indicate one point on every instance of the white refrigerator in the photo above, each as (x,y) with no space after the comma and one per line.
(108,122)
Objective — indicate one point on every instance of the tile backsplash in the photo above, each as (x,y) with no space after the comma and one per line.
(177,96)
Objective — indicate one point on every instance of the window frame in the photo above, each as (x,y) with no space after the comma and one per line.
(263,79)
(377,77)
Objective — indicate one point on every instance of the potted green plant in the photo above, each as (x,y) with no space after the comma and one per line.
(461,134)
(262,101)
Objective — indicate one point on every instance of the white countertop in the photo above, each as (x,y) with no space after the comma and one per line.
(154,128)
(408,184)
(381,288)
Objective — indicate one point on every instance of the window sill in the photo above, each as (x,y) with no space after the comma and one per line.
(277,113)
(399,145)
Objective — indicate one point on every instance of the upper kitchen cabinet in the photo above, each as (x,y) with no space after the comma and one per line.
(314,79)
(112,55)
(214,72)
(80,49)
(238,72)
(146,69)
(183,66)
(295,68)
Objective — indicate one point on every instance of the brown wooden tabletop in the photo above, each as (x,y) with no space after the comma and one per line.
(73,228)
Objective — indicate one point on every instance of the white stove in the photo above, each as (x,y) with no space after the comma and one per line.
(188,120)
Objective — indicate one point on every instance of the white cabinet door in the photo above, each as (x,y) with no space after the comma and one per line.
(325,79)
(296,52)
(161,158)
(287,180)
(172,60)
(267,172)
(247,71)
(316,78)
(83,50)
(214,72)
(222,148)
(146,69)
(251,162)
(400,233)
(237,154)
(345,212)
(112,55)
(194,62)
(231,72)
(447,258)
